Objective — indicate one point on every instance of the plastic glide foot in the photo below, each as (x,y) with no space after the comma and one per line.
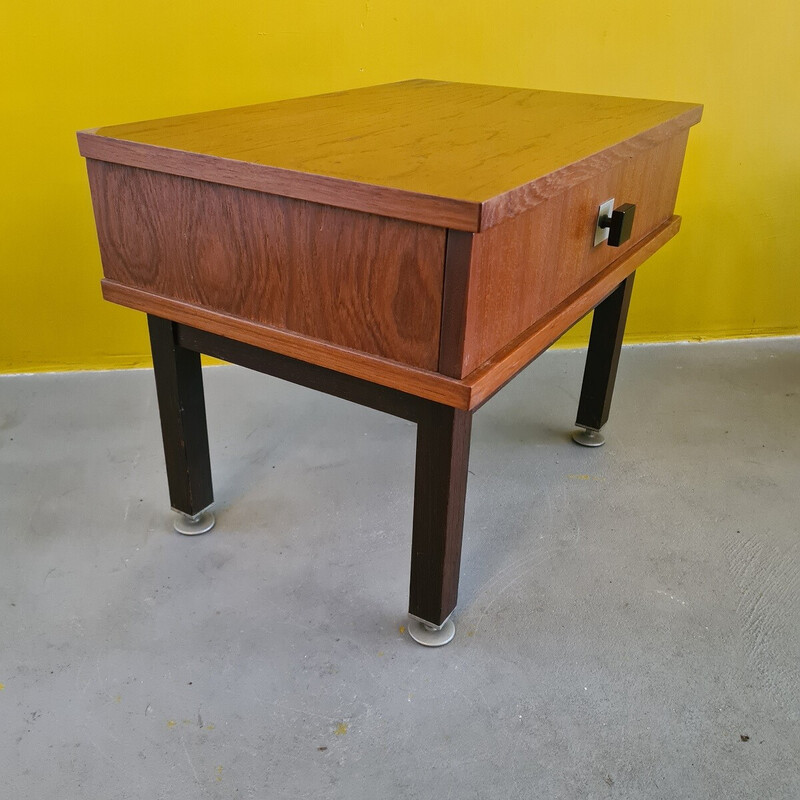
(192,526)
(588,438)
(431,635)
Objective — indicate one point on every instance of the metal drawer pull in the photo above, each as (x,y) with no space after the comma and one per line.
(619,224)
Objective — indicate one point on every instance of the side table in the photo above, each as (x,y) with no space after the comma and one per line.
(410,247)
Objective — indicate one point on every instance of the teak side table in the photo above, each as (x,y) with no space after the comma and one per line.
(410,247)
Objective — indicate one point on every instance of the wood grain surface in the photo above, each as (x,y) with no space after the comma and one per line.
(456,155)
(361,281)
(523,268)
(457,262)
(494,374)
(468,393)
(430,385)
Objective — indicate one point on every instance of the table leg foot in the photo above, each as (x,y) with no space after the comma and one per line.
(588,438)
(430,635)
(192,526)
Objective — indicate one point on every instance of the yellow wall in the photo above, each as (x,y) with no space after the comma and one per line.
(732,271)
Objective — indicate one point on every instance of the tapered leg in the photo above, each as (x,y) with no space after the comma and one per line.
(181,404)
(440,488)
(605,343)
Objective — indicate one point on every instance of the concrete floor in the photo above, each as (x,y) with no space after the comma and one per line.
(629,621)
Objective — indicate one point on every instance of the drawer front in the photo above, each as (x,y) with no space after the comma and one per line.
(365,282)
(523,268)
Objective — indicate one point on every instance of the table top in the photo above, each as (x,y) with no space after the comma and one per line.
(457,155)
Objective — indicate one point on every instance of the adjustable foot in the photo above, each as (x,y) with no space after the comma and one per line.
(431,635)
(588,438)
(192,526)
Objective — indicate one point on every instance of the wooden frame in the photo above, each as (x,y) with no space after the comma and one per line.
(443,434)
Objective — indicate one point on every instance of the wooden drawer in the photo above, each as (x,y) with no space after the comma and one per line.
(525,267)
(365,282)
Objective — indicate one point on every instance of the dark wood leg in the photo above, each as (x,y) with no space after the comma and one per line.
(440,487)
(605,342)
(443,437)
(181,404)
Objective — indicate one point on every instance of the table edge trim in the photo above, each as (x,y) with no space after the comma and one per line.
(495,373)
(383,371)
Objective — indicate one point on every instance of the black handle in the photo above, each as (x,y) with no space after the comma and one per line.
(619,224)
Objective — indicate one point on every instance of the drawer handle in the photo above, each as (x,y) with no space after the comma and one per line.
(619,224)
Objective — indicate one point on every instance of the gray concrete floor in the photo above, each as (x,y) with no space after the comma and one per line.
(628,626)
